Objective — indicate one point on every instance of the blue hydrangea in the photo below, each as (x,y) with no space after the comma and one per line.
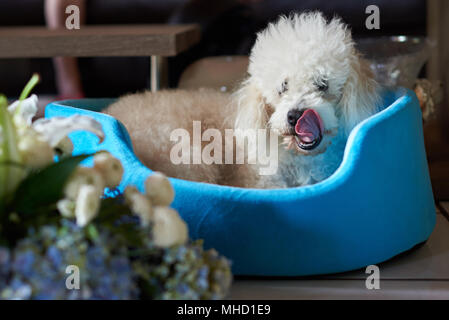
(187,272)
(36,267)
(5,266)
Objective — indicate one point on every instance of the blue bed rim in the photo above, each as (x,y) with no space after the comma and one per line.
(378,203)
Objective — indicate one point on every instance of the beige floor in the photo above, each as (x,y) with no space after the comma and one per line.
(422,273)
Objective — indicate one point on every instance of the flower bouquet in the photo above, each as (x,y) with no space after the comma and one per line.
(61,238)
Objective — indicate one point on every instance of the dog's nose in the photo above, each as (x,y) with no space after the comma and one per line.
(293,116)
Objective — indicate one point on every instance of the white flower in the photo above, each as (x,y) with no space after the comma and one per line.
(34,149)
(168,228)
(159,189)
(81,177)
(87,205)
(24,111)
(110,167)
(65,147)
(57,128)
(139,204)
(66,208)
(54,130)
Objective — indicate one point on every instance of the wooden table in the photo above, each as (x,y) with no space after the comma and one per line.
(422,273)
(101,41)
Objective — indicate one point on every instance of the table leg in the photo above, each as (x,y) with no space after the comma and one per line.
(156,66)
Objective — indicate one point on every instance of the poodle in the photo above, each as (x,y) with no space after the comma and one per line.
(307,86)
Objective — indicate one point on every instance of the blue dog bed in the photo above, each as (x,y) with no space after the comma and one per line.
(378,203)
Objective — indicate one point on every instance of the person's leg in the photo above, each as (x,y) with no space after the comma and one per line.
(68,79)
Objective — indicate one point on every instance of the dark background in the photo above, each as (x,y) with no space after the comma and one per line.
(228,27)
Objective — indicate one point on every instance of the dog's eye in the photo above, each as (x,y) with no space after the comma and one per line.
(283,88)
(322,85)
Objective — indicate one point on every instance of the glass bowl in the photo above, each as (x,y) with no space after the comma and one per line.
(396,60)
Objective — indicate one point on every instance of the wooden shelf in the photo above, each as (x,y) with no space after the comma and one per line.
(98,41)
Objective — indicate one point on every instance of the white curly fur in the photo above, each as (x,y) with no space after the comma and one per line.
(301,50)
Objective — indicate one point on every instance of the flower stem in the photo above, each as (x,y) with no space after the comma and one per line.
(3,145)
(10,176)
(29,86)
(27,90)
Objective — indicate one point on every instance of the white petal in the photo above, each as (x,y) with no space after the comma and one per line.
(57,128)
(110,167)
(140,205)
(35,151)
(83,176)
(159,189)
(130,191)
(66,207)
(27,109)
(87,205)
(168,228)
(65,147)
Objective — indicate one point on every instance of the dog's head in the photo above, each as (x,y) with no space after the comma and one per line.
(306,82)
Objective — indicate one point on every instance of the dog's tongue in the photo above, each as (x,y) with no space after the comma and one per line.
(309,126)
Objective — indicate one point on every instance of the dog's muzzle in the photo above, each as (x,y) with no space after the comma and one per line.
(308,127)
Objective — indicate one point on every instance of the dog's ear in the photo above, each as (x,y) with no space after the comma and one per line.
(251,108)
(361,96)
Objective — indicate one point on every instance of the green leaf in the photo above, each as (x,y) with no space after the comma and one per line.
(92,232)
(45,187)
(7,195)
